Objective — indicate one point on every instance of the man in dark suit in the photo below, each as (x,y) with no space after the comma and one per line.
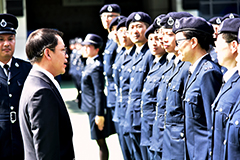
(44,120)
(13,72)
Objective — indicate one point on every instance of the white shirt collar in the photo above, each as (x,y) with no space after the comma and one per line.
(127,52)
(9,63)
(90,60)
(138,49)
(49,75)
(119,49)
(170,56)
(229,74)
(192,67)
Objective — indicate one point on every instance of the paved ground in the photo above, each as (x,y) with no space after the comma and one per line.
(85,148)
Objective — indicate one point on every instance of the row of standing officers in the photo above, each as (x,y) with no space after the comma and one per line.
(172,85)
(165,92)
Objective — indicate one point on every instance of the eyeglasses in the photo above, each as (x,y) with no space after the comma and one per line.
(177,41)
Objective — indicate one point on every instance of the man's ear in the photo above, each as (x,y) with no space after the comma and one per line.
(47,53)
(234,46)
(194,42)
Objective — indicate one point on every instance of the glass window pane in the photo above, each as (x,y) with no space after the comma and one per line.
(222,9)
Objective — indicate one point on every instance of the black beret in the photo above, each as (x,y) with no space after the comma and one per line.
(150,30)
(93,39)
(192,24)
(215,20)
(115,21)
(121,23)
(169,20)
(230,15)
(157,21)
(8,24)
(138,16)
(229,25)
(110,8)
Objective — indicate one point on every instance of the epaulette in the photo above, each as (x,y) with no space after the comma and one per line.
(207,66)
(97,63)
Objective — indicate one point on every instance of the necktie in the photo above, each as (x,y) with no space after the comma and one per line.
(153,64)
(6,67)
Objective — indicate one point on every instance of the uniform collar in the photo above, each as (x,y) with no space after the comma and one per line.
(229,74)
(193,67)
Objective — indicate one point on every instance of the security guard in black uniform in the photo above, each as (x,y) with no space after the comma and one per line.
(13,72)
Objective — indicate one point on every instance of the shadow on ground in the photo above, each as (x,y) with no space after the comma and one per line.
(73,107)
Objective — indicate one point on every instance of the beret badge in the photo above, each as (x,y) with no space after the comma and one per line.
(218,20)
(177,23)
(3,23)
(170,21)
(137,17)
(158,21)
(110,9)
(231,16)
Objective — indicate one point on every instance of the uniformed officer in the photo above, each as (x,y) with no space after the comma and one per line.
(168,39)
(215,21)
(76,67)
(137,23)
(93,98)
(124,80)
(116,66)
(13,72)
(193,36)
(107,13)
(151,82)
(226,48)
(231,142)
(171,90)
(116,74)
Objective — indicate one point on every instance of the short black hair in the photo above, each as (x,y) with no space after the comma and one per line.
(39,40)
(204,39)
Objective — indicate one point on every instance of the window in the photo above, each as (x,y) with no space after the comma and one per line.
(82,2)
(212,8)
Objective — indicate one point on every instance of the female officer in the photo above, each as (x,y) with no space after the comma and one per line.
(93,98)
(193,36)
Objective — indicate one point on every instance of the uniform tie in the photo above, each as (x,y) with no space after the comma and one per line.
(6,67)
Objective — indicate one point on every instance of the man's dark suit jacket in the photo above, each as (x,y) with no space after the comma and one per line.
(44,120)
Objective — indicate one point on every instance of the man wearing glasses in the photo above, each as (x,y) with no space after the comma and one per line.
(107,13)
(44,120)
